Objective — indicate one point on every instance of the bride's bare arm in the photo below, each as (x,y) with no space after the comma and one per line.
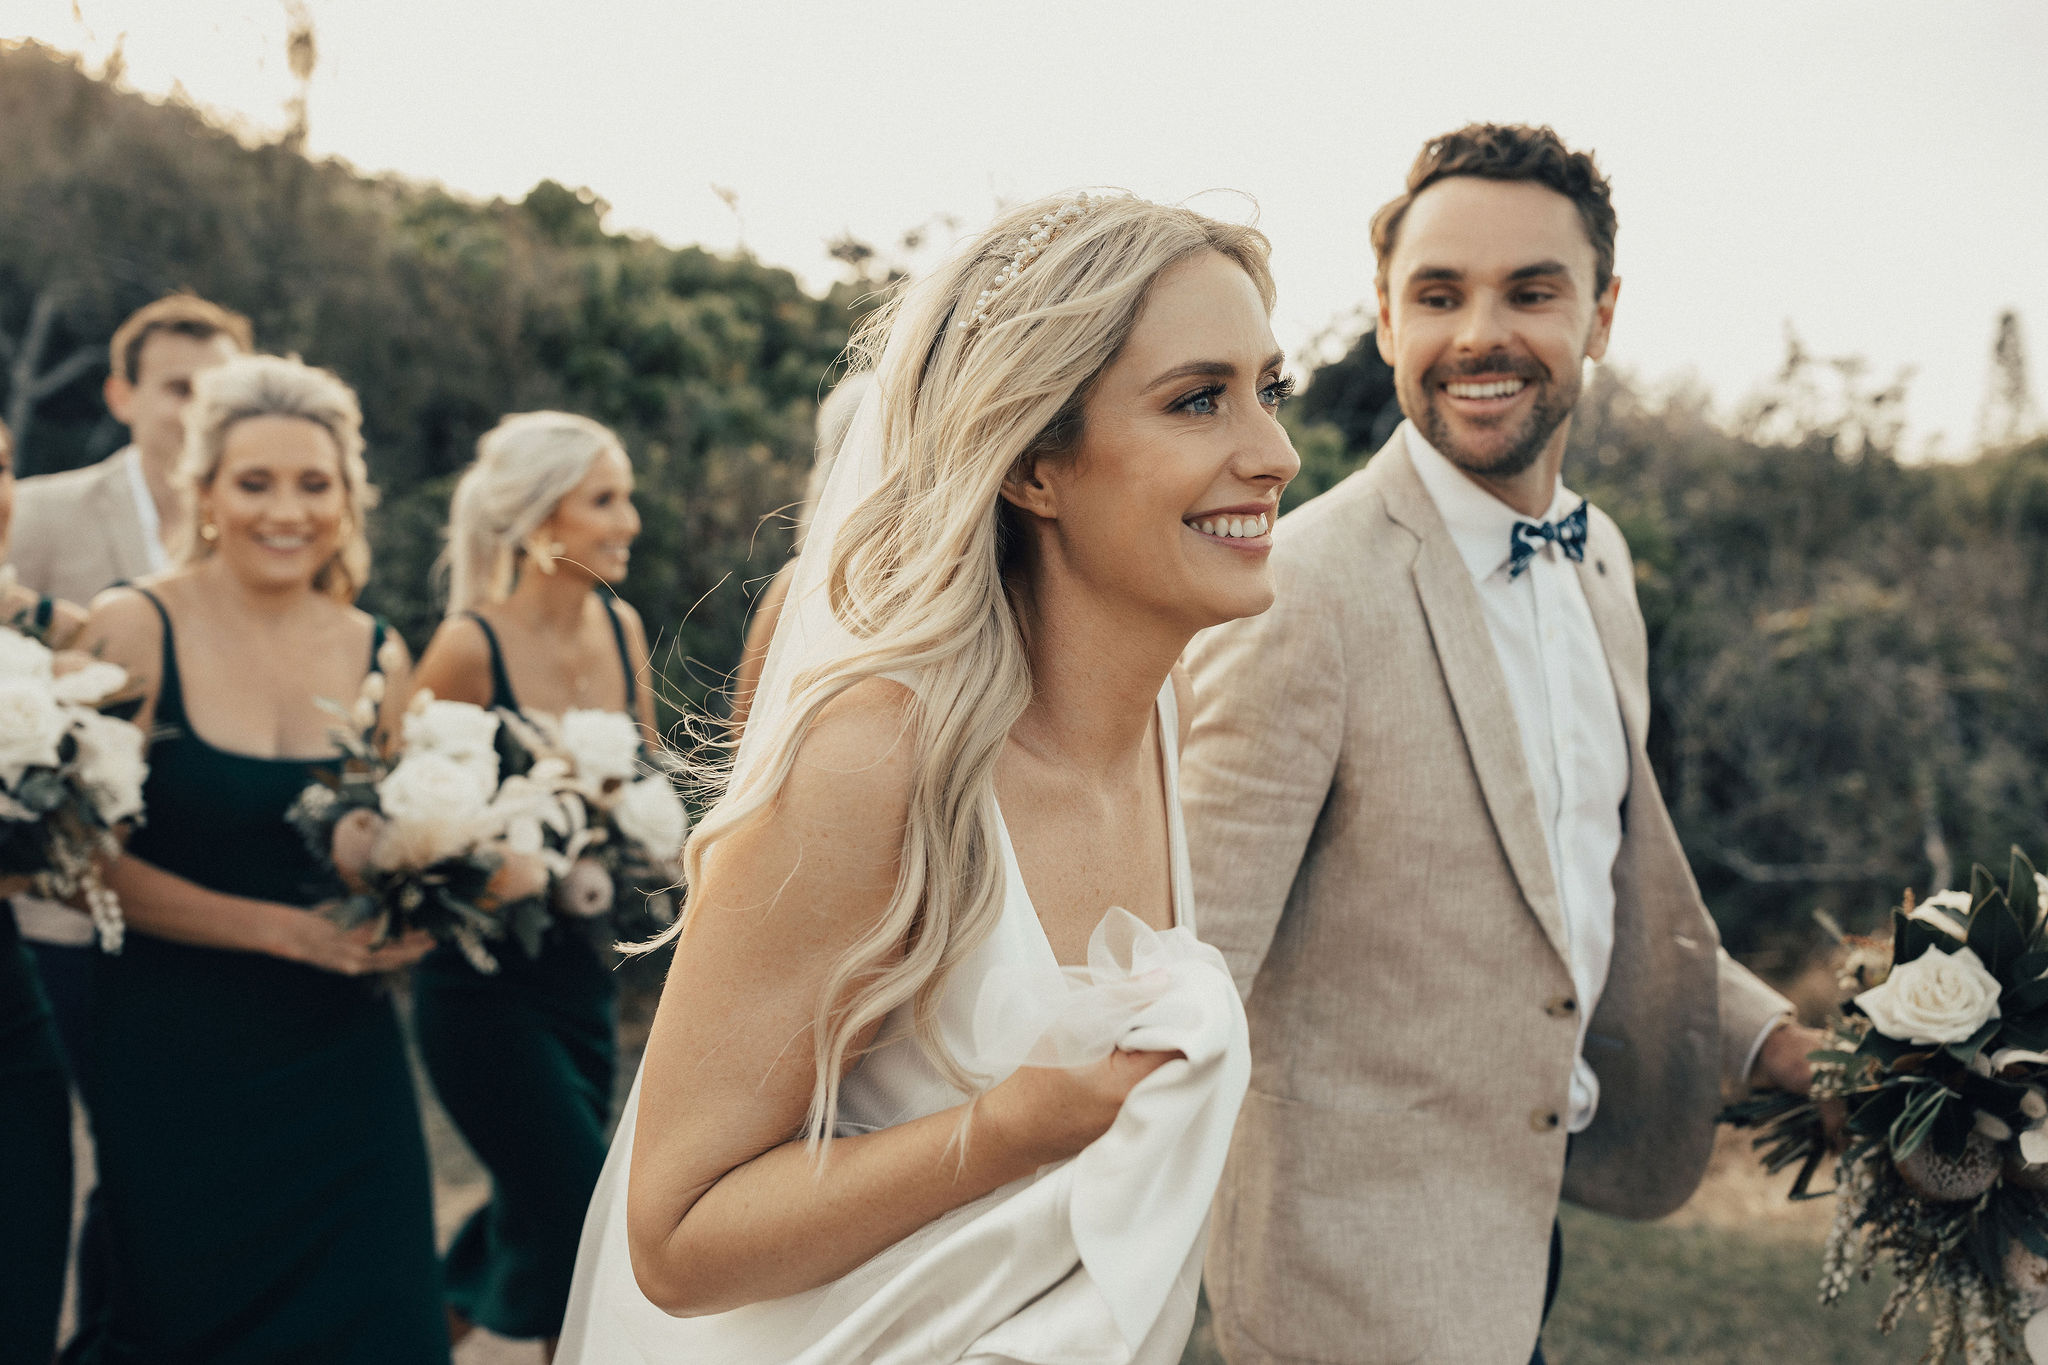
(725,1206)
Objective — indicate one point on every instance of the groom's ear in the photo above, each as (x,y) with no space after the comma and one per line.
(1025,488)
(1383,332)
(1603,320)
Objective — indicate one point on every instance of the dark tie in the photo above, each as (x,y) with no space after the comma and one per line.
(1527,537)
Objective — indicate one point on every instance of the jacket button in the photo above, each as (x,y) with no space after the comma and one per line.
(1561,1007)
(1544,1120)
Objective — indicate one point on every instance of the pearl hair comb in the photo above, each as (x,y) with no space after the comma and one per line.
(1029,246)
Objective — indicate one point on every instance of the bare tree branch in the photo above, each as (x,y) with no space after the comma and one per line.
(1779,874)
(66,370)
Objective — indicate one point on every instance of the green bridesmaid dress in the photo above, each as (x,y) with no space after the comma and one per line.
(264,1191)
(523,1060)
(35,1159)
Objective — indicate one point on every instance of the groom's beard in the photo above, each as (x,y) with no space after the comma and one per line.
(1554,401)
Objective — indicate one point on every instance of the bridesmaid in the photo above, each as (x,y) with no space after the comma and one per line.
(264,1180)
(35,1094)
(541,527)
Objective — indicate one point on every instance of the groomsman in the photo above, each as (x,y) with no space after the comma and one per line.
(87,529)
(1426,833)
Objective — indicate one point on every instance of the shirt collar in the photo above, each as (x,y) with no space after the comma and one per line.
(145,508)
(1481,525)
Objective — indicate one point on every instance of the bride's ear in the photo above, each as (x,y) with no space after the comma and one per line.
(1026,489)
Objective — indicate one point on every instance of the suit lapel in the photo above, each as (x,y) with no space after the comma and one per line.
(1604,577)
(1479,692)
(122,525)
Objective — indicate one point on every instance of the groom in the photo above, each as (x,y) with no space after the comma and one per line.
(1427,836)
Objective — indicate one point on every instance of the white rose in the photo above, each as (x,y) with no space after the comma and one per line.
(585,890)
(1936,998)
(604,744)
(454,729)
(1934,910)
(21,657)
(89,684)
(436,809)
(652,815)
(110,764)
(31,726)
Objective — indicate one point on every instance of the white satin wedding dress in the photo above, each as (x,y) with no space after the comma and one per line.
(1092,1261)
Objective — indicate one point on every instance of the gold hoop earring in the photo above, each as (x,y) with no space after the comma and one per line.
(208,532)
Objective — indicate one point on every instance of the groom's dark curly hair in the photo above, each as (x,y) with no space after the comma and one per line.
(1506,151)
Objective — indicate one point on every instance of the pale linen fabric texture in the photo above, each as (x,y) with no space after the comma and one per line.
(1094,1261)
(75,534)
(1368,855)
(80,531)
(1563,695)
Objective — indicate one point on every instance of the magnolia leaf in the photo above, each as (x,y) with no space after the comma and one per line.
(1996,935)
(1967,1050)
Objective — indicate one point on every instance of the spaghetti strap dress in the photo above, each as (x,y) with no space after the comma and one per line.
(264,1190)
(35,1140)
(35,1159)
(524,1062)
(1095,1260)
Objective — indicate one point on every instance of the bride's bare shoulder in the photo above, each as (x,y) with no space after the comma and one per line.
(853,767)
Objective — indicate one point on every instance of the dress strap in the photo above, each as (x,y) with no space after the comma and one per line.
(501,681)
(625,658)
(1168,714)
(170,696)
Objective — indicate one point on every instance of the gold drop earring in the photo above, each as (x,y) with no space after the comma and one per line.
(542,553)
(208,532)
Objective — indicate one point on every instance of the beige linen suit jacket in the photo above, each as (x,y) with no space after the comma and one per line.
(1368,856)
(77,532)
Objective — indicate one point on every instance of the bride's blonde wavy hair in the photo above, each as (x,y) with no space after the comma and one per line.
(917,575)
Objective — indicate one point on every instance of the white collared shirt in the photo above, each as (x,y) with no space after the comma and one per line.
(1566,712)
(145,509)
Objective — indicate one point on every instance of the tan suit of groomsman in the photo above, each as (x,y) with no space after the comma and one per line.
(1427,836)
(83,530)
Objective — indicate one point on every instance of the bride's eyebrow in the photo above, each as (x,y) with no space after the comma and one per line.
(1207,369)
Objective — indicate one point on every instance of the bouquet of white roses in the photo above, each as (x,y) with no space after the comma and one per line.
(615,858)
(68,775)
(1940,1059)
(428,842)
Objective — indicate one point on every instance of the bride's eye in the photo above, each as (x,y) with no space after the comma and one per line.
(1202,402)
(1277,392)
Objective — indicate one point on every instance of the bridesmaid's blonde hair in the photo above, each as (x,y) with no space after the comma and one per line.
(523,469)
(917,574)
(277,386)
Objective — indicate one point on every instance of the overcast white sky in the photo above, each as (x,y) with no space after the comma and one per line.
(1873,173)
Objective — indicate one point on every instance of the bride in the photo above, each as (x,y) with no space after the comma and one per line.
(916,1091)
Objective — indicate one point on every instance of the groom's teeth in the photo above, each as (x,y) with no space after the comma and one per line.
(1499,388)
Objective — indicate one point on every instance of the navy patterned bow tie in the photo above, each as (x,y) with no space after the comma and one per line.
(1527,537)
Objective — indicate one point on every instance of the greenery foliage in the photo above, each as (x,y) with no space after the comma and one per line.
(444,314)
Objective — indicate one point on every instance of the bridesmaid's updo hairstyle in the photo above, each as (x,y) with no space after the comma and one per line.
(278,386)
(523,469)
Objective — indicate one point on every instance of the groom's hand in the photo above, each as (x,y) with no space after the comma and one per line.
(1782,1064)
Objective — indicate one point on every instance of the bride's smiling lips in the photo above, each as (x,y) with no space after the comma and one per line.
(1246,527)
